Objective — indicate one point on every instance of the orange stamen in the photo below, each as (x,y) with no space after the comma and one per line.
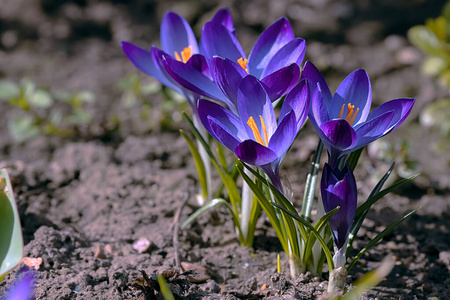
(342,111)
(243,63)
(351,113)
(185,54)
(266,139)
(252,124)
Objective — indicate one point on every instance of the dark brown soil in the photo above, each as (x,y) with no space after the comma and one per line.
(85,202)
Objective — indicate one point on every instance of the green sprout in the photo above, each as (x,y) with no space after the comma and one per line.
(44,112)
(11,243)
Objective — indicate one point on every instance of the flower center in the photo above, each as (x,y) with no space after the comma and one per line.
(243,63)
(252,124)
(351,113)
(185,54)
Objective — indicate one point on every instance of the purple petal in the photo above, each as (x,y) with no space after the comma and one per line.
(223,134)
(198,62)
(224,18)
(298,100)
(281,82)
(227,75)
(291,53)
(314,77)
(143,60)
(271,40)
(229,120)
(285,134)
(338,134)
(193,80)
(176,34)
(339,189)
(318,113)
(374,129)
(254,153)
(254,102)
(401,107)
(218,41)
(23,289)
(355,89)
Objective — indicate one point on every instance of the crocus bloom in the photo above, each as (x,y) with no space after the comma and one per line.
(254,134)
(274,59)
(23,289)
(338,188)
(343,121)
(178,42)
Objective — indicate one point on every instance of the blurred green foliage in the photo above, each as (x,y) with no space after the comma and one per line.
(153,114)
(433,39)
(44,112)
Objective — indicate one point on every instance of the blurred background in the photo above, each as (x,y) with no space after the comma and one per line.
(63,72)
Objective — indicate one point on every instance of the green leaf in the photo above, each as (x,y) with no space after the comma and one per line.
(311,181)
(208,206)
(305,223)
(23,128)
(360,217)
(319,227)
(353,158)
(41,99)
(366,205)
(370,279)
(198,164)
(11,243)
(8,90)
(85,96)
(165,290)
(379,237)
(268,208)
(424,39)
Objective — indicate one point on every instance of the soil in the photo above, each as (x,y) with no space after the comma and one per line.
(100,207)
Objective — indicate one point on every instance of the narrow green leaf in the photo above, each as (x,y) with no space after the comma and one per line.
(319,227)
(353,158)
(198,164)
(311,181)
(208,206)
(366,205)
(370,279)
(379,237)
(199,137)
(314,231)
(11,243)
(268,208)
(165,290)
(360,218)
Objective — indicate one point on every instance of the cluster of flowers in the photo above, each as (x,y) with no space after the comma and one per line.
(233,98)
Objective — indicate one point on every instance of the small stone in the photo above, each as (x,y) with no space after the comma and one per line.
(99,253)
(142,245)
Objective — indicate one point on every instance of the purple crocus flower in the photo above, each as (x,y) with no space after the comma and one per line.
(254,134)
(338,188)
(343,121)
(274,60)
(23,289)
(179,43)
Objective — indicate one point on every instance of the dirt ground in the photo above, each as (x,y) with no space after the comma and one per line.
(86,201)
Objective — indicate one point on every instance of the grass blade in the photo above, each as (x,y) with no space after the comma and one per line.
(379,237)
(198,164)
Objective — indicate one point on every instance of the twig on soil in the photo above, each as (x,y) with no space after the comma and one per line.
(175,227)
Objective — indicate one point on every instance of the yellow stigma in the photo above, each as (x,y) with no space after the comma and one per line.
(185,54)
(252,124)
(351,113)
(243,63)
